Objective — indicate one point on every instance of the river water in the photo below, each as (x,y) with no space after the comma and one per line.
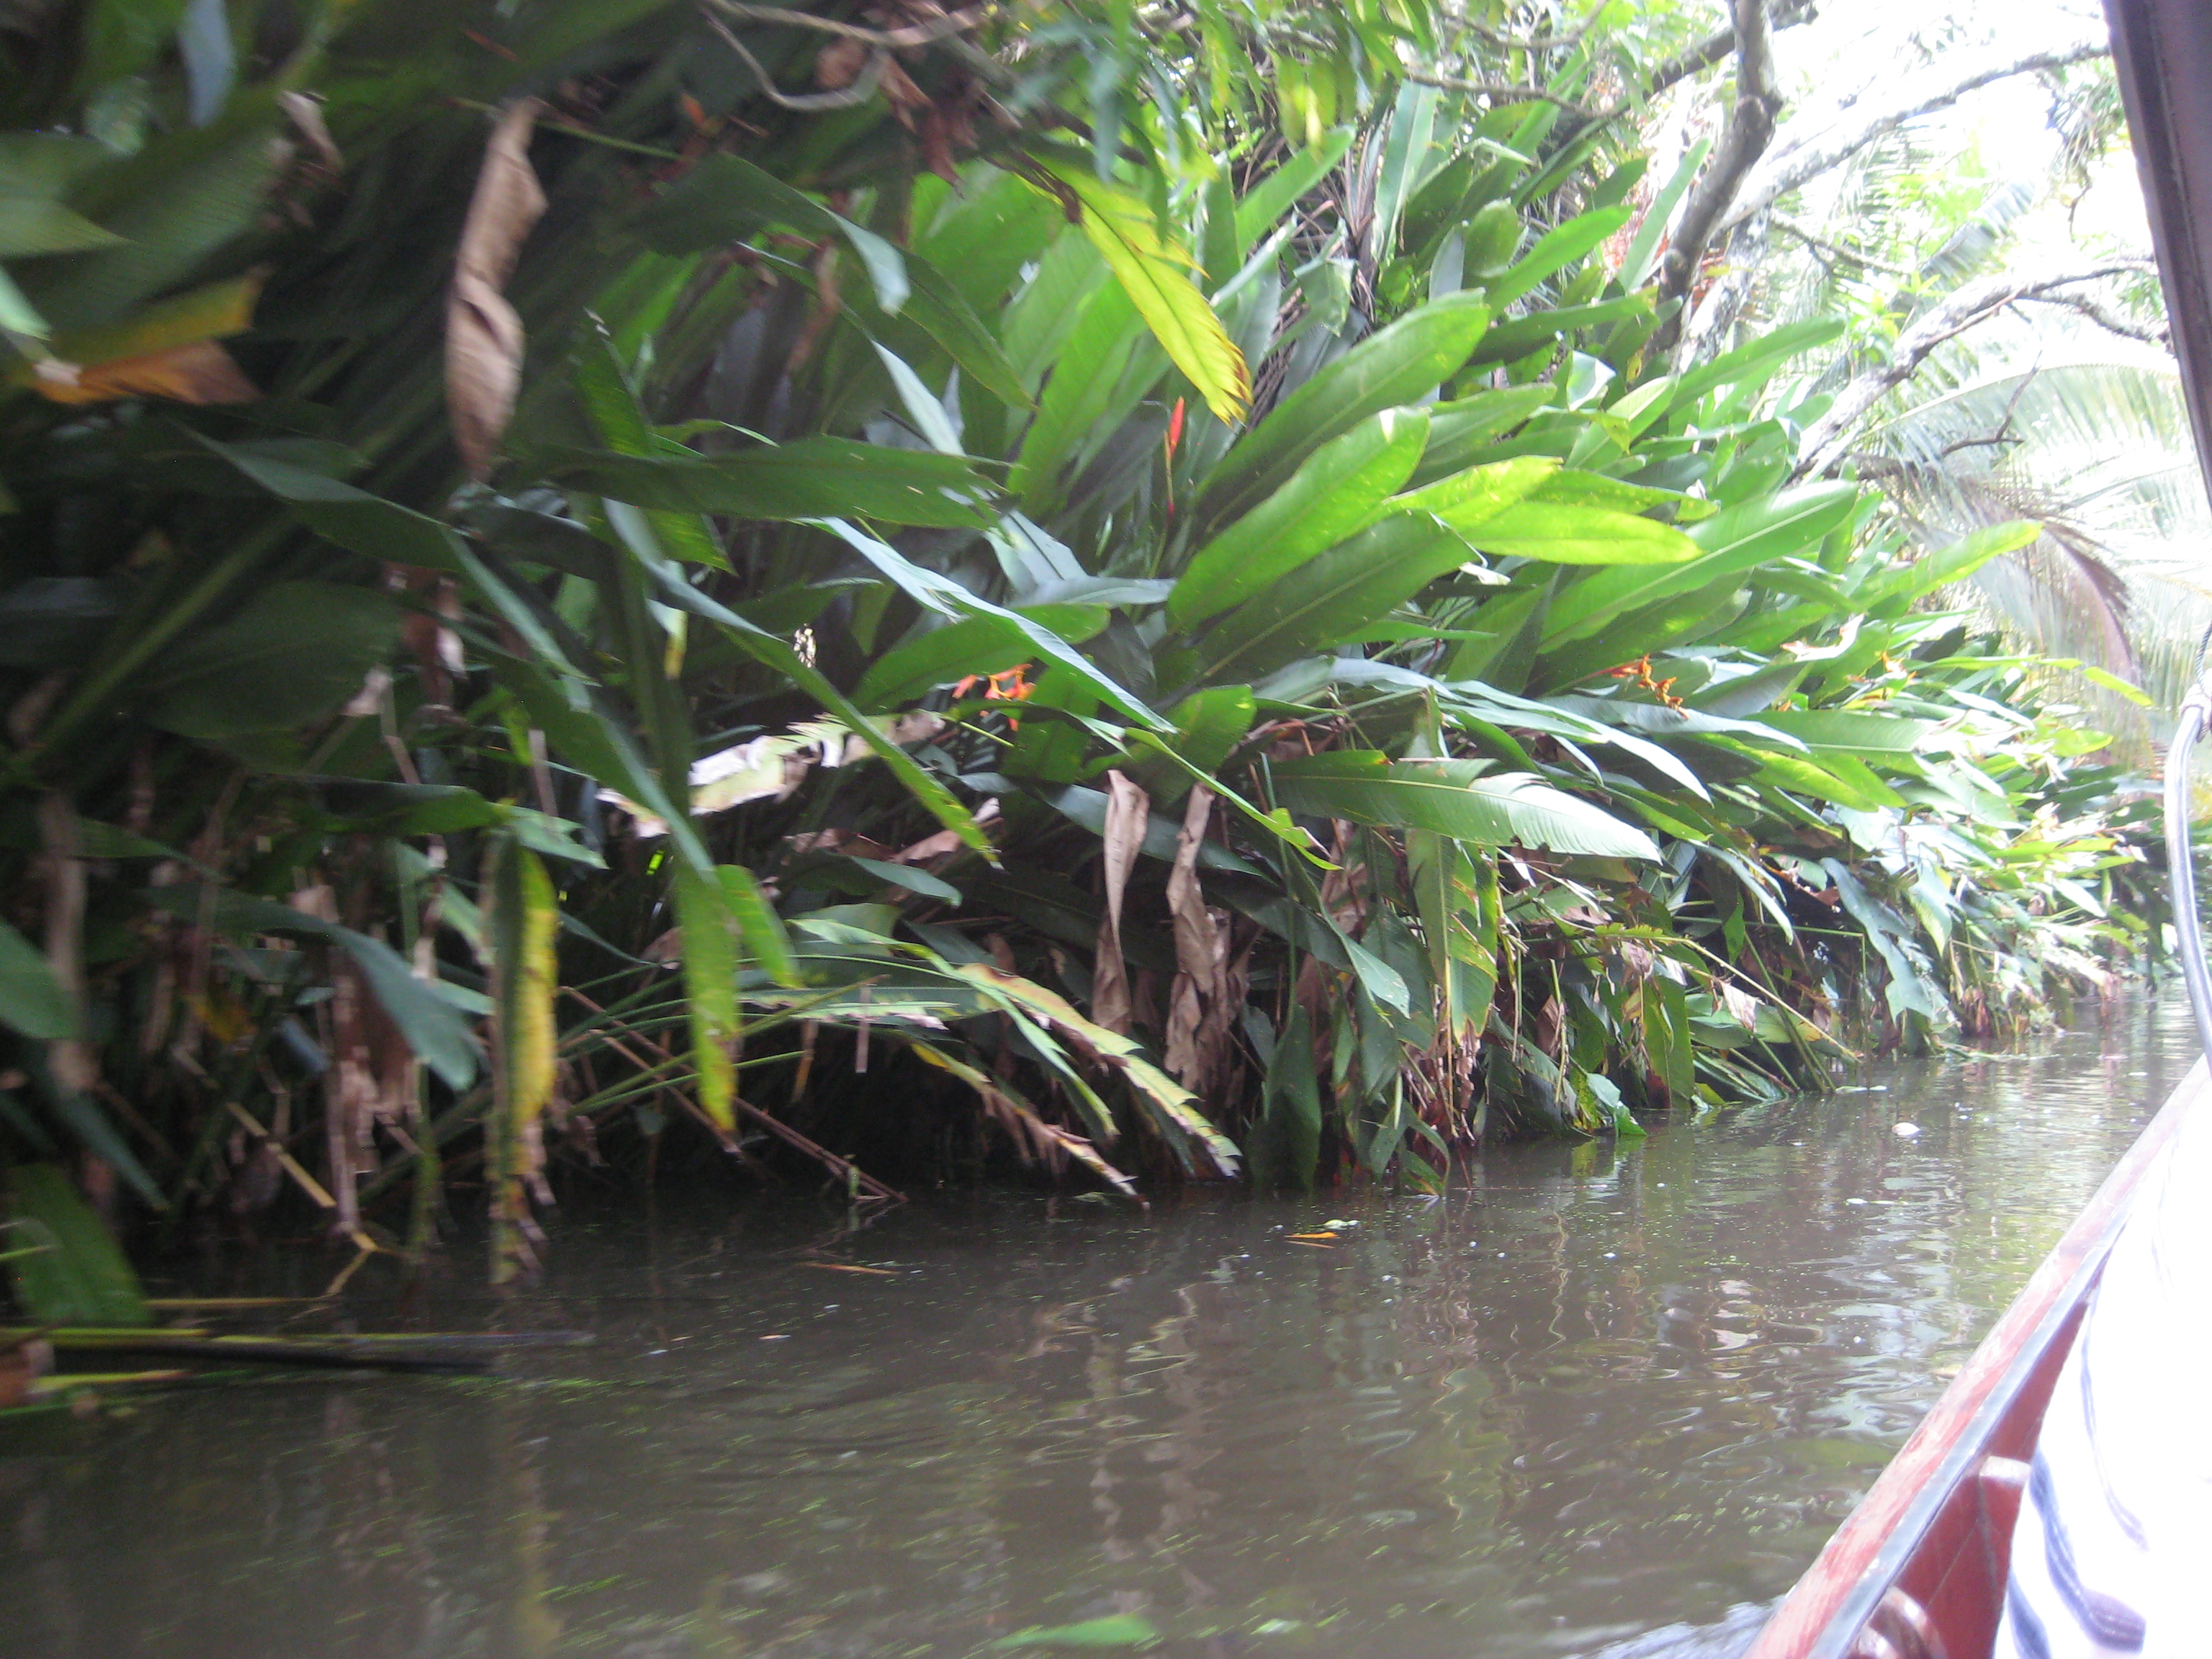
(1597,1398)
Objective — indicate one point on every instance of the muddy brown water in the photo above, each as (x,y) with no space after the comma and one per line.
(1598,1398)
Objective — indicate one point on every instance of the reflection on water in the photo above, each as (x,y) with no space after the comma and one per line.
(1591,1393)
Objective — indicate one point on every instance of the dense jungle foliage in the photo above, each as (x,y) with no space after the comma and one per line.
(1155,589)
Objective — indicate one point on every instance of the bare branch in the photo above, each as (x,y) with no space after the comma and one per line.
(1500,92)
(1720,44)
(1825,440)
(2106,318)
(1852,255)
(1750,128)
(916,35)
(1798,160)
(862,88)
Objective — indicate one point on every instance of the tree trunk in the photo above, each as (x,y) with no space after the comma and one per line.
(1750,128)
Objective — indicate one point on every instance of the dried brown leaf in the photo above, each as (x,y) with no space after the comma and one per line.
(1129,810)
(201,372)
(483,335)
(1197,1036)
(305,110)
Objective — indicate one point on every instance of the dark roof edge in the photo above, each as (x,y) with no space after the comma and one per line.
(2163,51)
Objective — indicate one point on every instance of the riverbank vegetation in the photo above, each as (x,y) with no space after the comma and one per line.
(1233,592)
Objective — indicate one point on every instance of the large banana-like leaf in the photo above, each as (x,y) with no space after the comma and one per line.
(1402,365)
(1333,494)
(1733,540)
(1464,799)
(1156,274)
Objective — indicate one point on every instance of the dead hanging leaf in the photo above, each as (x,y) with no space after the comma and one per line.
(305,112)
(1129,810)
(371,1081)
(200,372)
(1197,1007)
(483,335)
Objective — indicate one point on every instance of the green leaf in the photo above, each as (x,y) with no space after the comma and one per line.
(295,652)
(1264,205)
(905,875)
(31,999)
(976,645)
(122,37)
(1749,365)
(1850,732)
(941,593)
(31,225)
(1733,540)
(352,518)
(1286,1140)
(1460,432)
(710,988)
(80,1276)
(174,203)
(1091,362)
(1555,250)
(1159,1092)
(1951,564)
(1460,799)
(939,309)
(807,478)
(1636,265)
(1560,533)
(1402,365)
(1155,273)
(1518,337)
(1329,601)
(1384,985)
(723,199)
(1329,497)
(760,930)
(603,383)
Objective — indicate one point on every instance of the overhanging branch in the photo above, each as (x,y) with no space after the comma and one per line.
(1825,440)
(1799,159)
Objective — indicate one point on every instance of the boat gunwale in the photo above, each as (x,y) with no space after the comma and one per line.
(1824,1612)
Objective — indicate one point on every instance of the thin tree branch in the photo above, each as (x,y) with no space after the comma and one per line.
(1825,440)
(1750,129)
(1850,254)
(862,88)
(1720,45)
(915,35)
(2106,318)
(1798,160)
(1506,92)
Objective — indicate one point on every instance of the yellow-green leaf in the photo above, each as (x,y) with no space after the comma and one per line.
(1154,271)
